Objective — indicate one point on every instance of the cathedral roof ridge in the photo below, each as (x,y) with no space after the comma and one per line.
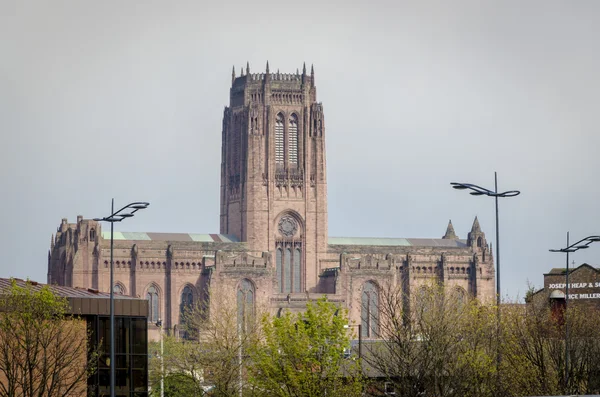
(397,241)
(160,236)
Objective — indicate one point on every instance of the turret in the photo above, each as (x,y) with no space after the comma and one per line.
(476,237)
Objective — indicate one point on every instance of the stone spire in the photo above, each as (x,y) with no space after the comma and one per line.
(267,67)
(304,68)
(232,74)
(247,67)
(476,227)
(52,241)
(450,234)
(242,71)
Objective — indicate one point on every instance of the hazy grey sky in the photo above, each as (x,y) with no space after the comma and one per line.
(124,99)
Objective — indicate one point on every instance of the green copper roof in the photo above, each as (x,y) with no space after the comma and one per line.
(397,242)
(368,241)
(224,238)
(142,236)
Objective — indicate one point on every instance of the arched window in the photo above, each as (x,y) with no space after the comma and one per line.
(245,303)
(479,242)
(187,300)
(118,289)
(293,141)
(92,234)
(288,262)
(461,296)
(370,310)
(153,303)
(279,140)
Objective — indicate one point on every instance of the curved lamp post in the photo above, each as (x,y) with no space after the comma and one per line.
(581,244)
(476,190)
(481,191)
(116,216)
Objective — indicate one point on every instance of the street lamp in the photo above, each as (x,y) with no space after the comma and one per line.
(359,337)
(117,216)
(581,244)
(480,191)
(162,360)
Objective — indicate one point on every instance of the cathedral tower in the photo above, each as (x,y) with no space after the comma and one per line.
(273,172)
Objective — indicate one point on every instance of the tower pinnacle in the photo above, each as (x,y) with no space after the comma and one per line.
(476,227)
(450,234)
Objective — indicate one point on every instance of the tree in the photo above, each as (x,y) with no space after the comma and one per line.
(43,351)
(214,352)
(437,342)
(535,345)
(303,354)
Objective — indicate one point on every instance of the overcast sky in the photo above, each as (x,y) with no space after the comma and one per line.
(124,99)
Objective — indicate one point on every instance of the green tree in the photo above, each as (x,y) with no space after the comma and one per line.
(303,354)
(437,343)
(214,353)
(535,347)
(182,372)
(43,351)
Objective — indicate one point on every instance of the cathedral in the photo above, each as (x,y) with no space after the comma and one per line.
(273,247)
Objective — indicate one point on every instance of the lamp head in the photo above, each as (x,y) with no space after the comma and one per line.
(458,186)
(138,206)
(476,193)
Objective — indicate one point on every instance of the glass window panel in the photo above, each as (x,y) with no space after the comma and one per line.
(249,303)
(364,314)
(287,271)
(122,361)
(278,268)
(139,361)
(374,306)
(139,380)
(104,334)
(121,335)
(140,335)
(279,140)
(240,304)
(293,140)
(104,377)
(296,270)
(122,378)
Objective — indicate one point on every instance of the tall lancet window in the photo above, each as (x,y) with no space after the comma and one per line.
(279,140)
(293,141)
(369,315)
(296,273)
(153,304)
(245,304)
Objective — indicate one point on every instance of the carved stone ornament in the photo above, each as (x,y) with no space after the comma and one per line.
(288,226)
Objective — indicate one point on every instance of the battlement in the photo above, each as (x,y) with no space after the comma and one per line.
(289,81)
(243,79)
